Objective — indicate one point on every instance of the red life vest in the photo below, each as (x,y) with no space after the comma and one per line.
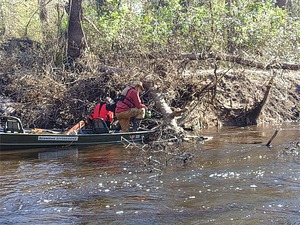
(101,112)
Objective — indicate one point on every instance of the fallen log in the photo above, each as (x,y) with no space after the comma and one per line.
(230,58)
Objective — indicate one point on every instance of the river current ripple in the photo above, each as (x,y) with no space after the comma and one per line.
(232,179)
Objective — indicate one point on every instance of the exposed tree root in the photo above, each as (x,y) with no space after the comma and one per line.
(252,115)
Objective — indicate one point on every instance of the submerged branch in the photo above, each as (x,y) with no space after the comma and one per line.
(272,138)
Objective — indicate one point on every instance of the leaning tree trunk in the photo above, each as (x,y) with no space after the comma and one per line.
(75,31)
(162,106)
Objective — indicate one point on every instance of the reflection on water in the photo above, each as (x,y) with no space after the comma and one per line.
(58,154)
(233,179)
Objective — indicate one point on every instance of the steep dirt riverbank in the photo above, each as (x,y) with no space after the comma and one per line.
(234,94)
(44,95)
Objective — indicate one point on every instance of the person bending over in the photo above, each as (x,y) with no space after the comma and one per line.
(130,106)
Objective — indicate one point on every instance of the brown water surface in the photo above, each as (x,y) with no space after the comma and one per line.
(233,179)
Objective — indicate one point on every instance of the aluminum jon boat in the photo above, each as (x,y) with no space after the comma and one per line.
(14,137)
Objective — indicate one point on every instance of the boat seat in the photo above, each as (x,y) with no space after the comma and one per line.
(99,126)
(12,125)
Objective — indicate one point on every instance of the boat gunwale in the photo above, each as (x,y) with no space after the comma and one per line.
(138,136)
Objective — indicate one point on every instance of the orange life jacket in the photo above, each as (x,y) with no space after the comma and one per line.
(101,112)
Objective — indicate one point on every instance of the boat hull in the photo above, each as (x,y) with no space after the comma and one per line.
(16,141)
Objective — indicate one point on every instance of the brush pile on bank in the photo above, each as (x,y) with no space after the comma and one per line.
(46,95)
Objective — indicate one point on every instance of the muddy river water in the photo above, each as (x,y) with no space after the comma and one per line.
(232,179)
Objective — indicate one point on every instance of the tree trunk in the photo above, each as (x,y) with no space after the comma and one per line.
(44,20)
(75,31)
(284,4)
(100,4)
(230,29)
(43,11)
(185,5)
(2,28)
(164,108)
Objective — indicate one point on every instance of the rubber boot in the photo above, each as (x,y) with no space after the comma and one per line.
(135,124)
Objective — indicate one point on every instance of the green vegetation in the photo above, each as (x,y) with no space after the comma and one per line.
(248,28)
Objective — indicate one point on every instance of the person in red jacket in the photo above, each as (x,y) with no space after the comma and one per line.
(100,111)
(130,106)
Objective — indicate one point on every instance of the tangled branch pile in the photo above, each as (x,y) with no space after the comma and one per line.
(213,92)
